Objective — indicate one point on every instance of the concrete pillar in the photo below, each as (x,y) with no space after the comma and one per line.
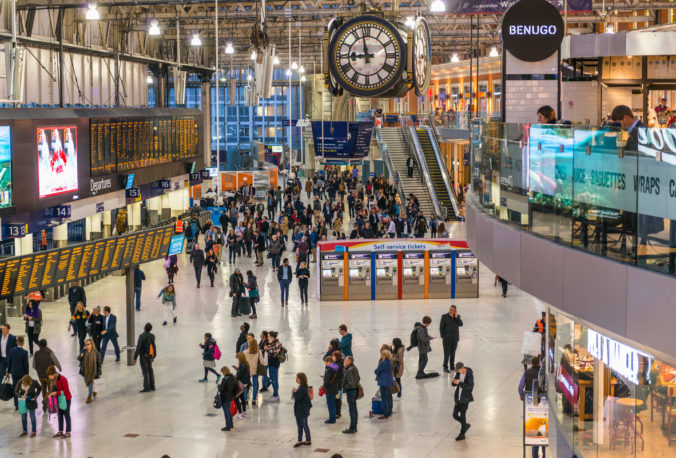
(153,206)
(24,245)
(60,235)
(539,91)
(106,220)
(165,207)
(134,216)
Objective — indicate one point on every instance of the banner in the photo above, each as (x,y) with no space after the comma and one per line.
(500,6)
(536,421)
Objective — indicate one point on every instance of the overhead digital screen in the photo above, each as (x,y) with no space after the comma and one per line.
(23,276)
(87,251)
(3,264)
(38,271)
(5,167)
(108,255)
(148,246)
(116,260)
(51,264)
(62,266)
(97,257)
(9,277)
(57,160)
(138,248)
(74,265)
(129,245)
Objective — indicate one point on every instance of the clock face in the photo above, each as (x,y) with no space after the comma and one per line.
(366,56)
(421,56)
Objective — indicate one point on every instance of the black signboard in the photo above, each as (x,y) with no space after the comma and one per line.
(97,257)
(532,30)
(38,271)
(148,246)
(22,278)
(129,245)
(118,254)
(342,140)
(62,266)
(157,244)
(74,265)
(51,265)
(9,277)
(86,262)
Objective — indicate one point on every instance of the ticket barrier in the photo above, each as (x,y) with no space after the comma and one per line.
(413,275)
(359,276)
(440,275)
(387,276)
(332,281)
(466,274)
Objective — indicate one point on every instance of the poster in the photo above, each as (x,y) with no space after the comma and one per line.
(500,6)
(5,167)
(536,421)
(57,160)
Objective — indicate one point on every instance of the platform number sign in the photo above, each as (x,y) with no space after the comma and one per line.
(60,211)
(133,193)
(16,230)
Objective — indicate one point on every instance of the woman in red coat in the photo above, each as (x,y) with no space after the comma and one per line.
(61,388)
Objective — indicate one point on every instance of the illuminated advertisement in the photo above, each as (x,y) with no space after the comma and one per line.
(57,160)
(5,167)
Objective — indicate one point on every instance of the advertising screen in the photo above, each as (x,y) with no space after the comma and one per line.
(5,167)
(57,160)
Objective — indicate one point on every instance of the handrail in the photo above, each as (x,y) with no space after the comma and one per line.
(385,154)
(444,171)
(412,140)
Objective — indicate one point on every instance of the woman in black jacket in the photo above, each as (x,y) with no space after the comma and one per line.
(303,275)
(212,266)
(301,409)
(244,376)
(351,387)
(227,390)
(332,384)
(28,389)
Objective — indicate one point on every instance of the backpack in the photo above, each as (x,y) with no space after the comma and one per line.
(414,335)
(282,354)
(217,352)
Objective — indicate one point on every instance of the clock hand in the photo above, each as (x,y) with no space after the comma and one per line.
(366,51)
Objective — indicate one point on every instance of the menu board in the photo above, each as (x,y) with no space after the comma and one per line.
(138,248)
(129,245)
(74,265)
(9,277)
(166,241)
(87,251)
(148,246)
(97,257)
(62,267)
(118,253)
(22,278)
(39,263)
(50,269)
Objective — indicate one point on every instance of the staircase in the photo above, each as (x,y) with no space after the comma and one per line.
(435,171)
(396,145)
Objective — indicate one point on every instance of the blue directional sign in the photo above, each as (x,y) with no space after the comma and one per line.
(176,244)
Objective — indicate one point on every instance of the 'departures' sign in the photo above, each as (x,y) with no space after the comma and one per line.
(532,30)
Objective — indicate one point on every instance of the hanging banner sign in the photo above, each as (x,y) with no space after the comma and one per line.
(500,6)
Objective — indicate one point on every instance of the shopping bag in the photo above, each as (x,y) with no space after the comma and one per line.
(233,408)
(6,389)
(23,409)
(99,384)
(63,404)
(311,392)
(531,344)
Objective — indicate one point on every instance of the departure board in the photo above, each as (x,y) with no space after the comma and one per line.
(3,264)
(148,246)
(97,257)
(156,251)
(37,272)
(74,265)
(50,269)
(24,275)
(129,245)
(87,251)
(108,255)
(62,266)
(138,248)
(166,241)
(9,278)
(118,254)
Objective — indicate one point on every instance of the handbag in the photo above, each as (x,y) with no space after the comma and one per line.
(240,388)
(6,389)
(63,404)
(23,409)
(218,402)
(360,392)
(233,408)
(395,388)
(99,384)
(322,391)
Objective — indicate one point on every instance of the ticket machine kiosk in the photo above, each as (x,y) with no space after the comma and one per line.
(332,277)
(359,276)
(440,275)
(466,274)
(413,275)
(386,275)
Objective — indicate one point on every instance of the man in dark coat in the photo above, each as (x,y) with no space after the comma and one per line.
(17,365)
(464,384)
(7,342)
(450,334)
(236,291)
(197,260)
(147,351)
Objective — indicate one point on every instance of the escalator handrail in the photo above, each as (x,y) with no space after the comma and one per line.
(413,144)
(442,166)
(385,154)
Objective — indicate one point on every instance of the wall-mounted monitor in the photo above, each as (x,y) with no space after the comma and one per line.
(130,181)
(408,271)
(5,167)
(57,160)
(381,272)
(460,271)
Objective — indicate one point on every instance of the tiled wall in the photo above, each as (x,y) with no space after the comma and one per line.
(579,101)
(524,97)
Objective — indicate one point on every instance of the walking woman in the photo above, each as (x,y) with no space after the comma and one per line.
(79,321)
(301,409)
(303,275)
(243,375)
(351,388)
(275,248)
(331,386)
(385,382)
(252,285)
(171,266)
(168,295)
(398,361)
(211,262)
(33,318)
(90,367)
(227,390)
(273,347)
(209,357)
(61,383)
(28,390)
(256,366)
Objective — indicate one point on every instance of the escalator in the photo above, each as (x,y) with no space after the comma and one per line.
(442,191)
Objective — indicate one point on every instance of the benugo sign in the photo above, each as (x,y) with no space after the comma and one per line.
(532,30)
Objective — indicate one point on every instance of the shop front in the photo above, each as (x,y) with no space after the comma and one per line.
(606,397)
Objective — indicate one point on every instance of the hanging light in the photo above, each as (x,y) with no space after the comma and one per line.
(410,22)
(253,55)
(150,80)
(248,77)
(294,66)
(92,13)
(229,49)
(275,61)
(438,6)
(455,58)
(154,28)
(301,70)
(610,28)
(494,52)
(196,40)
(288,72)
(303,79)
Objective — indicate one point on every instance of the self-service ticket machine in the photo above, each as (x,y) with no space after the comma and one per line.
(440,275)
(332,277)
(359,276)
(386,277)
(413,275)
(466,274)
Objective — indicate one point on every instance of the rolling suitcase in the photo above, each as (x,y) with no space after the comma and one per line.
(189,246)
(244,307)
(376,407)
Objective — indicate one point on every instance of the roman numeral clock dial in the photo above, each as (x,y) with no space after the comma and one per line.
(366,56)
(422,50)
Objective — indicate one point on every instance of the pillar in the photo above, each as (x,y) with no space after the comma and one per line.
(60,235)
(206,120)
(530,80)
(106,223)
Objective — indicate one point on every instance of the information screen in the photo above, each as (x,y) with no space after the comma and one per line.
(118,254)
(166,240)
(9,278)
(50,269)
(408,271)
(24,275)
(435,271)
(148,246)
(129,245)
(5,167)
(74,265)
(3,264)
(326,273)
(97,257)
(138,248)
(460,271)
(354,273)
(38,271)
(62,267)
(108,256)
(381,272)
(57,160)
(86,262)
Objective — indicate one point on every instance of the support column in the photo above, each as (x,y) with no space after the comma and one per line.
(539,79)
(131,325)
(60,235)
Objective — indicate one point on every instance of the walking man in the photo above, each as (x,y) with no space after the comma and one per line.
(76,294)
(17,365)
(147,351)
(236,291)
(197,261)
(450,334)
(464,384)
(284,275)
(109,333)
(139,277)
(424,347)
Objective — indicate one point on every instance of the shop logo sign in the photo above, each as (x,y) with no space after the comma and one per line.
(621,358)
(532,30)
(99,185)
(659,143)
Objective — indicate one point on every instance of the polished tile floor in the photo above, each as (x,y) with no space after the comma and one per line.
(178,419)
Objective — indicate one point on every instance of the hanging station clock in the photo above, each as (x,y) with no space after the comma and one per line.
(422,52)
(367,56)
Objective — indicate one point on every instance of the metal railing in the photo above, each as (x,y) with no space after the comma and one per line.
(444,171)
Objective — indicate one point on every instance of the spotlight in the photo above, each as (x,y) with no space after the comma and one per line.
(275,61)
(455,58)
(294,66)
(92,13)
(253,55)
(196,41)
(494,52)
(149,79)
(154,28)
(229,49)
(438,6)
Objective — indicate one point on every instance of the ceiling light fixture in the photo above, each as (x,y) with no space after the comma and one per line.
(248,77)
(253,55)
(610,28)
(455,58)
(150,80)
(92,13)
(410,22)
(438,6)
(301,70)
(294,66)
(196,40)
(288,72)
(494,52)
(275,61)
(229,49)
(303,79)
(154,28)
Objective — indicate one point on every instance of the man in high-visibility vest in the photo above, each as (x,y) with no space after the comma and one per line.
(178,228)
(540,324)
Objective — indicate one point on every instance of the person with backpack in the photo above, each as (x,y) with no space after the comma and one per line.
(147,351)
(243,375)
(28,390)
(351,388)
(422,341)
(302,403)
(398,362)
(227,391)
(209,356)
(254,296)
(276,355)
(331,386)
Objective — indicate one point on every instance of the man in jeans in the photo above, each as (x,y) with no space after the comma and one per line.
(464,384)
(284,275)
(424,346)
(139,277)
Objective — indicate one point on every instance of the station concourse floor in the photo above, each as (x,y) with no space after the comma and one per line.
(178,419)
